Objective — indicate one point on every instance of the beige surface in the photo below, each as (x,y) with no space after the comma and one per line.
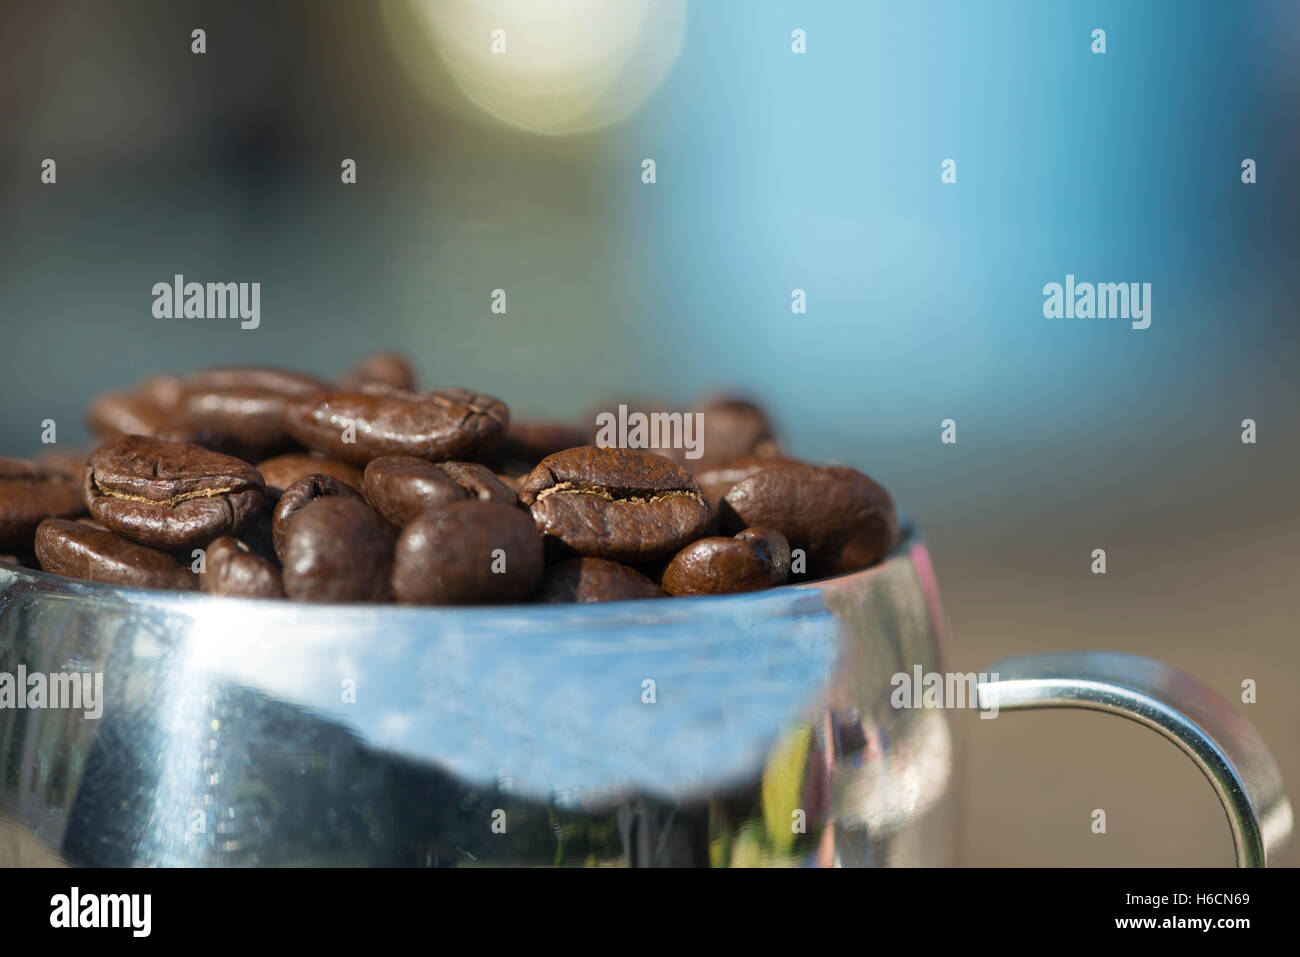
(1202,575)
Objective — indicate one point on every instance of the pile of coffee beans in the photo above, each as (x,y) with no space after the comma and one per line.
(370,490)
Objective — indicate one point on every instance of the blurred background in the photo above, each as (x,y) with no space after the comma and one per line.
(774,171)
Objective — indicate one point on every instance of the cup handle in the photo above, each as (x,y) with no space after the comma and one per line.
(1224,745)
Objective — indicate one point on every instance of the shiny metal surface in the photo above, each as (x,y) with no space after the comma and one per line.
(1223,744)
(732,731)
(230,733)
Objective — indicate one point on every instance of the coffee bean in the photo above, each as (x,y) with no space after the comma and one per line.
(622,504)
(210,436)
(170,495)
(592,580)
(79,550)
(162,390)
(467,552)
(64,461)
(283,470)
(28,495)
(527,443)
(338,549)
(141,410)
(125,413)
(284,382)
(440,425)
(382,368)
(231,568)
(732,427)
(840,517)
(400,487)
(247,415)
(717,480)
(298,496)
(756,558)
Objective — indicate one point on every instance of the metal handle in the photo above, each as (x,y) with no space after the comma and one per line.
(1224,745)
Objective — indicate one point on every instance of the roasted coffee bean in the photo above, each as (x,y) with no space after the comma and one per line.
(79,550)
(622,504)
(592,580)
(732,427)
(207,435)
(382,368)
(163,390)
(527,443)
(141,410)
(231,568)
(400,487)
(756,558)
(125,413)
(238,408)
(64,461)
(298,496)
(338,549)
(284,382)
(29,494)
(717,480)
(170,495)
(249,416)
(283,470)
(259,536)
(479,482)
(840,517)
(467,552)
(441,425)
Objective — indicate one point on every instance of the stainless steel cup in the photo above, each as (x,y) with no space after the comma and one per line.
(758,729)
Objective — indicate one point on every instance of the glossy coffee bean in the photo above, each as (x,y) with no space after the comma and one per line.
(246,415)
(79,550)
(283,470)
(479,482)
(441,425)
(756,558)
(231,568)
(717,480)
(284,382)
(732,427)
(298,496)
(125,413)
(337,548)
(621,504)
(841,518)
(210,436)
(238,408)
(170,495)
(400,487)
(527,443)
(64,461)
(382,368)
(467,552)
(593,580)
(30,494)
(141,410)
